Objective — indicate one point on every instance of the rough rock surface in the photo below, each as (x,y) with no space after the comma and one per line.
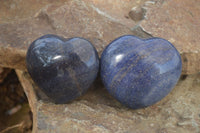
(97,111)
(179,22)
(69,19)
(100,22)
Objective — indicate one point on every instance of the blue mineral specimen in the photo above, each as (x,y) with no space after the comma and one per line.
(140,72)
(62,68)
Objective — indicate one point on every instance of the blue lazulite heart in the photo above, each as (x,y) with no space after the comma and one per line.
(63,69)
(138,72)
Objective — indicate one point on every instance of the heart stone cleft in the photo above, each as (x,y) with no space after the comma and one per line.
(62,68)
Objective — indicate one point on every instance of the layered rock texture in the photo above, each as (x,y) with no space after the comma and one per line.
(101,21)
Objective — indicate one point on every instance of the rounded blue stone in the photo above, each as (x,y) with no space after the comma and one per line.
(62,68)
(140,72)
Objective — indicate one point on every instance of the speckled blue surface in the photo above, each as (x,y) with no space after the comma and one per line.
(63,69)
(139,73)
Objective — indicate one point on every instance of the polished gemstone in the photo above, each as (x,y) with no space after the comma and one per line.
(140,72)
(62,68)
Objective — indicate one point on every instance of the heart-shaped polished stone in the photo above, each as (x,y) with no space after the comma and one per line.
(62,68)
(140,72)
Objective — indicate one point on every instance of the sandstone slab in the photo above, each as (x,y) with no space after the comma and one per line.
(97,111)
(178,22)
(101,21)
(73,18)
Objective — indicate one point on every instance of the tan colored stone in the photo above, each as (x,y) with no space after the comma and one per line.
(100,21)
(97,111)
(179,22)
(69,19)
